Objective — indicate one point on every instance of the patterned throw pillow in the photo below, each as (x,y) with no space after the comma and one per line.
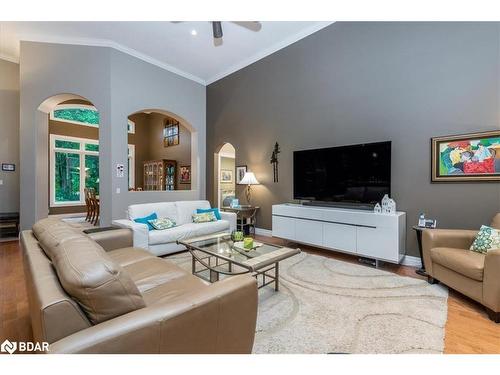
(487,239)
(204,217)
(162,223)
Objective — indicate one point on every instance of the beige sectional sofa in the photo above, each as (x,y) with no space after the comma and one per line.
(97,294)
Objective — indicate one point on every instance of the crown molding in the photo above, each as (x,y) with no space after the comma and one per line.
(8,58)
(117,46)
(141,56)
(268,51)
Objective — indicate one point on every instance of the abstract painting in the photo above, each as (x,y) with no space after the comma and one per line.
(467,157)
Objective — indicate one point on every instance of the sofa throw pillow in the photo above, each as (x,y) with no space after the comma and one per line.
(487,239)
(214,210)
(162,223)
(204,217)
(145,220)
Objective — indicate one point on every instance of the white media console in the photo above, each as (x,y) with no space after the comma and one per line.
(365,233)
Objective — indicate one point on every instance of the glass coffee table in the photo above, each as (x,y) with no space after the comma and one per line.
(217,254)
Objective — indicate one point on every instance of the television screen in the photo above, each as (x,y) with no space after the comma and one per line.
(352,174)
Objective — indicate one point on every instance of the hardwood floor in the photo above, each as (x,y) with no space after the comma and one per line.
(468,329)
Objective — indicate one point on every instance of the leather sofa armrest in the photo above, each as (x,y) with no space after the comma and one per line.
(454,238)
(491,280)
(218,319)
(231,217)
(113,239)
(140,232)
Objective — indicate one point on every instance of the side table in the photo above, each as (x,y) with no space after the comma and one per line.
(419,230)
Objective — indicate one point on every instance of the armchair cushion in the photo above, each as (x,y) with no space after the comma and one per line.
(465,262)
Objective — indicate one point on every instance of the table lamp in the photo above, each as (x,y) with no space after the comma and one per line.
(249,180)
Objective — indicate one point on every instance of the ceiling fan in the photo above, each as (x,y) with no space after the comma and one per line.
(218,33)
(250,25)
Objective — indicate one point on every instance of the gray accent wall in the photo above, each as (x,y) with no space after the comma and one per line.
(356,82)
(118,85)
(9,135)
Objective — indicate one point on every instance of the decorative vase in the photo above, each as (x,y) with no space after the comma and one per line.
(237,236)
(248,242)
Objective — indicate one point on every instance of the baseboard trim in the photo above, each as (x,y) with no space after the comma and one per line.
(263,232)
(408,260)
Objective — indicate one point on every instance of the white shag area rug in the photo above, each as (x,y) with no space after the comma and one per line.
(329,306)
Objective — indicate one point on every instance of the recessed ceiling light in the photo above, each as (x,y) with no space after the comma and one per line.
(194,32)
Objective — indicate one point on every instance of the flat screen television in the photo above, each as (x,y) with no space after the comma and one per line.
(354,175)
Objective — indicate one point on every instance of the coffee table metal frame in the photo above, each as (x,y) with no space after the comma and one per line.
(218,264)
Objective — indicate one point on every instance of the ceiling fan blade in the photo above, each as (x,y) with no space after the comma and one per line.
(250,25)
(217,29)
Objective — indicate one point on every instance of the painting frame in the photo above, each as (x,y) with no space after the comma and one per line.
(226,176)
(185,174)
(474,140)
(240,172)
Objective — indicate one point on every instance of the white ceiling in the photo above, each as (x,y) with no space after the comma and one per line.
(169,45)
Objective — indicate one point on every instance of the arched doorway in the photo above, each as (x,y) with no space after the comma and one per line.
(67,148)
(162,152)
(224,175)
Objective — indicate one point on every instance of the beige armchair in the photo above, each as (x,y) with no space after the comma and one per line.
(448,259)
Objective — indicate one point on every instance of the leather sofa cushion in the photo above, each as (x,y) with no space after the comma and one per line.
(466,262)
(129,255)
(50,232)
(100,286)
(149,273)
(190,230)
(173,289)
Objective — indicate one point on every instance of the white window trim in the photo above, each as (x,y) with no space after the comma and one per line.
(81,152)
(132,127)
(71,106)
(131,171)
(84,106)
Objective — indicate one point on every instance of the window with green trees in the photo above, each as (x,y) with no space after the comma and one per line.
(88,116)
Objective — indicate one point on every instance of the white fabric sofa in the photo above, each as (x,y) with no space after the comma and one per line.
(162,242)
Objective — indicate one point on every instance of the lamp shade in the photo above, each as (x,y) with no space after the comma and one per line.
(249,179)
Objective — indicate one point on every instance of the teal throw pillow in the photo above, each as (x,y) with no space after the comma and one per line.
(145,220)
(162,223)
(487,239)
(214,210)
(204,217)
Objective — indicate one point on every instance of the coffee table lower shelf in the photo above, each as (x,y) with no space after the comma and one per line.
(268,275)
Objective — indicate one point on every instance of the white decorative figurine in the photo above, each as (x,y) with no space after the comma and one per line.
(377,209)
(385,204)
(391,207)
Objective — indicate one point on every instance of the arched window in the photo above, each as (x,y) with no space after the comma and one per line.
(80,114)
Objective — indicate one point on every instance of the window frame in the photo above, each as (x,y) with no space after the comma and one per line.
(74,106)
(52,167)
(131,162)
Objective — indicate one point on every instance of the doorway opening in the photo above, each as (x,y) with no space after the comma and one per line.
(68,155)
(160,152)
(224,175)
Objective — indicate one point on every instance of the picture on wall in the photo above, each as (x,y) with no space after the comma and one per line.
(226,175)
(185,174)
(240,172)
(467,157)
